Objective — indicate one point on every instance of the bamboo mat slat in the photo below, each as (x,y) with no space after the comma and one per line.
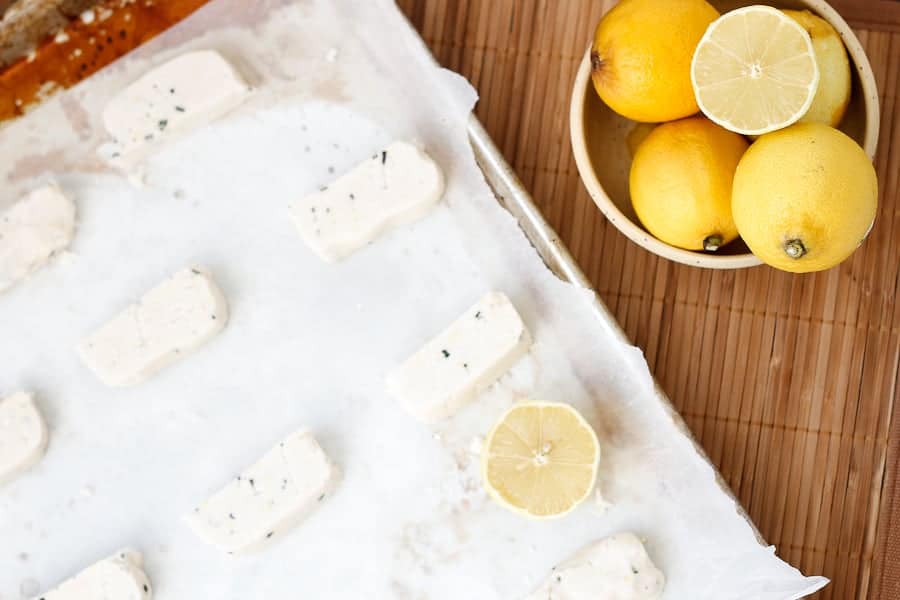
(873,15)
(788,381)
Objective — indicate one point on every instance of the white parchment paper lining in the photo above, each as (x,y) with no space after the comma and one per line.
(309,344)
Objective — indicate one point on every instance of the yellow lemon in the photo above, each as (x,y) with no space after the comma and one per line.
(540,460)
(641,57)
(755,71)
(831,99)
(680,183)
(804,197)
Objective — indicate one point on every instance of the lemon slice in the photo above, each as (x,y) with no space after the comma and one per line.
(754,71)
(540,459)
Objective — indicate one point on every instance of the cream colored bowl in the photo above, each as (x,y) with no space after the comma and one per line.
(601,153)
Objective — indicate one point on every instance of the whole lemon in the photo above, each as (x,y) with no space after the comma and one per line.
(641,57)
(831,99)
(680,183)
(804,197)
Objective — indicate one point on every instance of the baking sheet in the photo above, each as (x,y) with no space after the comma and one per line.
(511,193)
(308,344)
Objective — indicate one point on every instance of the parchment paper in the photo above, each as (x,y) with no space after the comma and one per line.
(308,344)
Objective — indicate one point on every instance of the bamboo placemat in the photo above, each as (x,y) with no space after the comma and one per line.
(788,381)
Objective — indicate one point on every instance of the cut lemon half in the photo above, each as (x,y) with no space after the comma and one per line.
(754,71)
(540,459)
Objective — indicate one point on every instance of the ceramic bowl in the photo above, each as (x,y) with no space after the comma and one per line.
(601,153)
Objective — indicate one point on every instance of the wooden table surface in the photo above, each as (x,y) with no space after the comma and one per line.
(788,381)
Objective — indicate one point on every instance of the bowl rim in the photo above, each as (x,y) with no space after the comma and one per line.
(642,237)
(859,59)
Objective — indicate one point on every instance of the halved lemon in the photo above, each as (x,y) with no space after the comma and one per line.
(540,459)
(754,71)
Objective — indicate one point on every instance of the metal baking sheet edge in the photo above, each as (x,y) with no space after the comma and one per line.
(513,196)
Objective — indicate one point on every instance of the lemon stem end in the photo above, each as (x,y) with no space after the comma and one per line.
(795,248)
(713,242)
